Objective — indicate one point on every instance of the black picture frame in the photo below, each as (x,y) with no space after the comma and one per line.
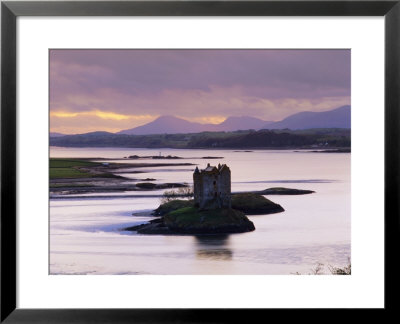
(10,10)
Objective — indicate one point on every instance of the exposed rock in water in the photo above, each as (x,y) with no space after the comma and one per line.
(146,185)
(190,220)
(284,191)
(166,157)
(193,220)
(150,185)
(155,226)
(254,204)
(182,217)
(248,203)
(155,157)
(339,150)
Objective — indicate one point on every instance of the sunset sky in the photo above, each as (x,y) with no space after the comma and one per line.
(112,90)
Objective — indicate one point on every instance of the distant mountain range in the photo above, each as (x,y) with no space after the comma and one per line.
(54,134)
(336,118)
(175,125)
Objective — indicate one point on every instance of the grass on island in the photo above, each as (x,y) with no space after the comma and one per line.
(251,203)
(70,168)
(69,163)
(191,216)
(62,173)
(173,205)
(248,203)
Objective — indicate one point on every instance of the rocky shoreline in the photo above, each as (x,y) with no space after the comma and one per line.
(193,221)
(176,216)
(106,178)
(283,191)
(89,186)
(183,217)
(67,187)
(96,177)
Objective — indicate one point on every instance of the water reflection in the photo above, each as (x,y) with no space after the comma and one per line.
(213,247)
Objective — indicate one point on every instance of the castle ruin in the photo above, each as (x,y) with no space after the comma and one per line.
(212,187)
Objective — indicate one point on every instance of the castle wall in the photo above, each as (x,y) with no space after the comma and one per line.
(197,187)
(225,188)
(212,188)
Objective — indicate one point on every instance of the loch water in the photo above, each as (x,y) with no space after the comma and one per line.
(86,235)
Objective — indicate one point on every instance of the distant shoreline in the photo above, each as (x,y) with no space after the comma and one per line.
(324,138)
(235,149)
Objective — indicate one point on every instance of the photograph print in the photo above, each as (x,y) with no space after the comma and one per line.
(199,162)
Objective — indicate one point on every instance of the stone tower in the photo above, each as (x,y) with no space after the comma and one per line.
(212,187)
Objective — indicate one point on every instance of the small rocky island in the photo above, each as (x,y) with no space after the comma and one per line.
(213,210)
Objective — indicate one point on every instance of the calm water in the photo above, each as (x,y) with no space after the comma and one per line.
(85,235)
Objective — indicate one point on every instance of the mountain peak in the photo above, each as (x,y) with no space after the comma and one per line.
(242,123)
(166,117)
(168,124)
(336,118)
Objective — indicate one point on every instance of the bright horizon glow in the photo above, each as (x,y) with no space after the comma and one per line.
(138,120)
(135,120)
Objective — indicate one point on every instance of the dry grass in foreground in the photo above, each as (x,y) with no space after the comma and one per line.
(319,269)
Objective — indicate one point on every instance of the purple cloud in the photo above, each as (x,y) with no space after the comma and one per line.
(269,84)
